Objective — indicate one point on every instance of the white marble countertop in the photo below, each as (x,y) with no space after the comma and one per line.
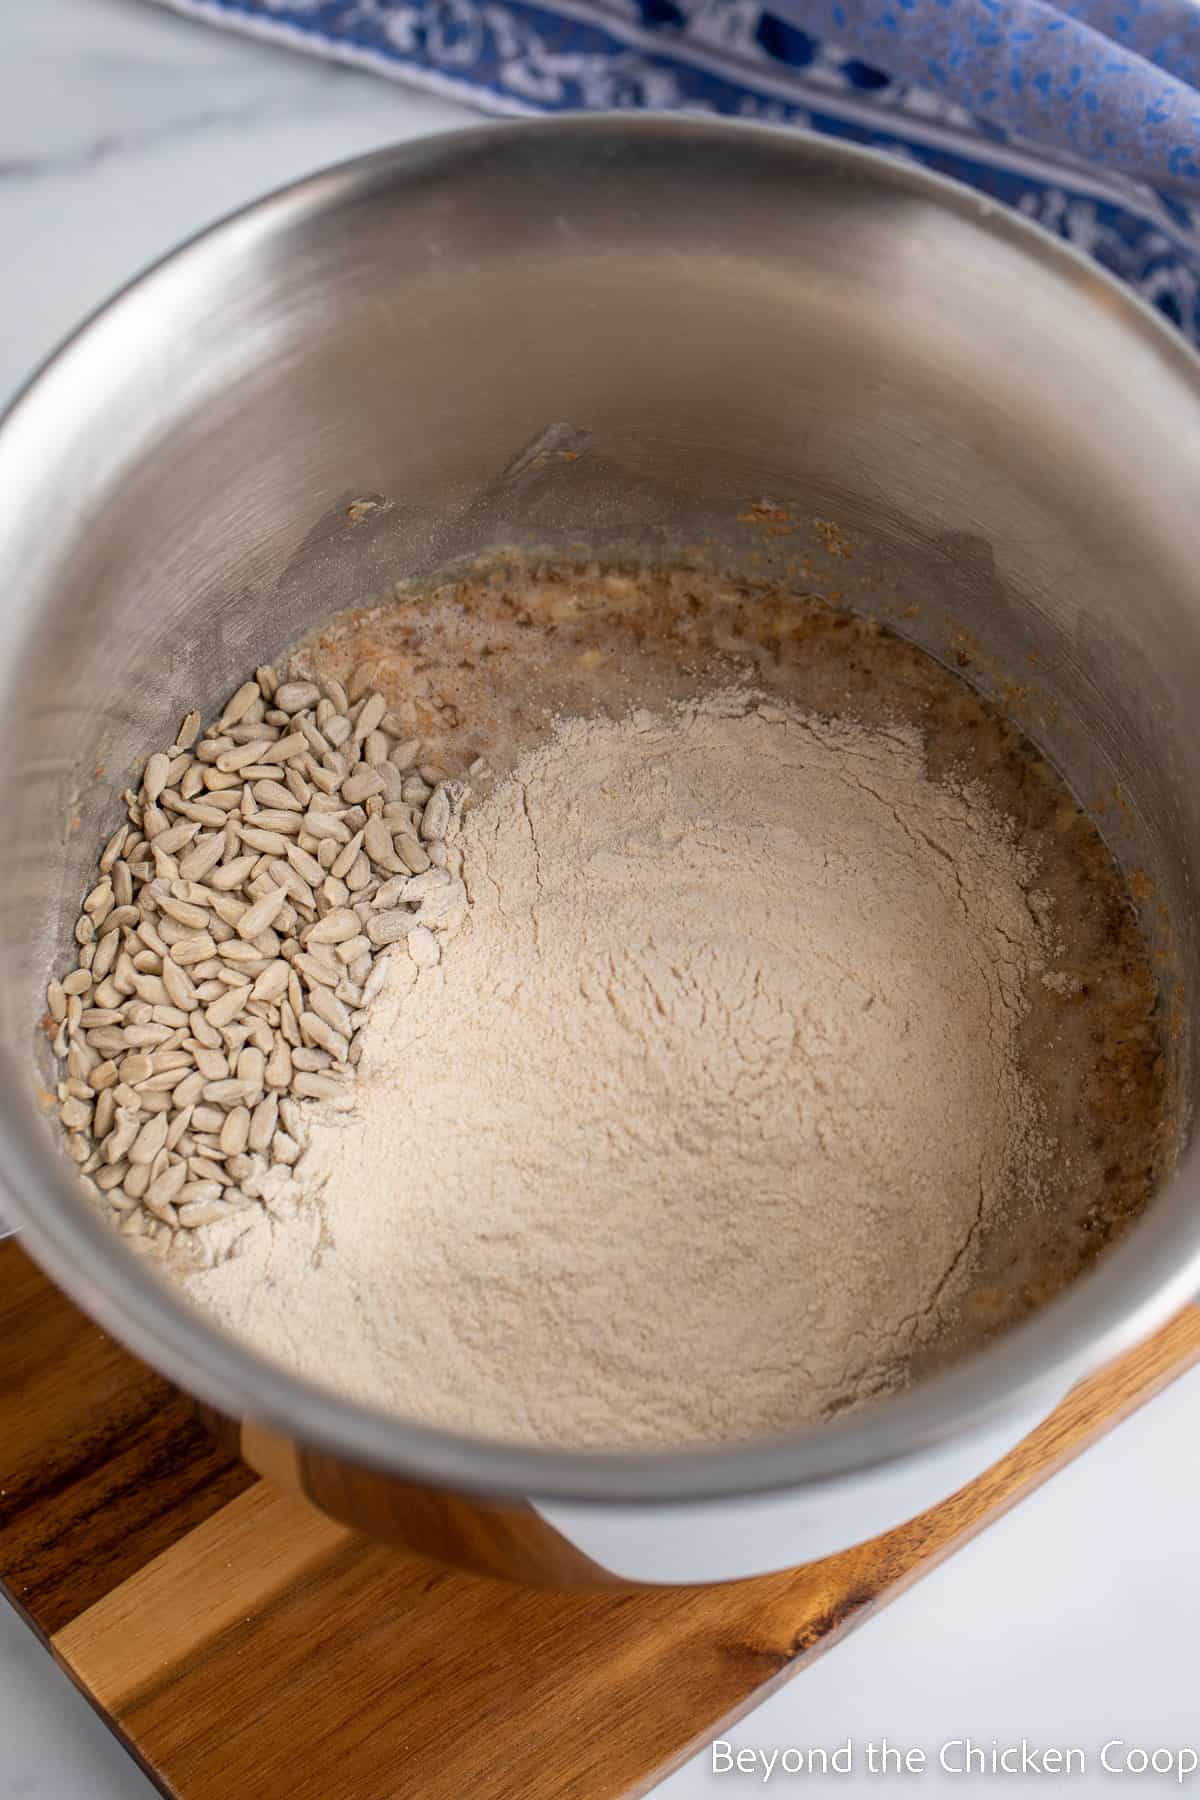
(1073,1621)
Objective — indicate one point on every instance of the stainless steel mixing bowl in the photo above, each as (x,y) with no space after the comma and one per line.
(709,315)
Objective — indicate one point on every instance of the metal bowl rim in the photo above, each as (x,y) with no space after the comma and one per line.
(1137,1288)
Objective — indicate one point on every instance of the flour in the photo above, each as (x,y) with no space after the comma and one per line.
(693,1131)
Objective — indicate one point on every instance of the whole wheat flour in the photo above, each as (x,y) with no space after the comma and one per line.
(693,1130)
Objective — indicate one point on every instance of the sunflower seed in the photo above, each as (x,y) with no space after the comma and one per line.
(286,748)
(375,980)
(176,837)
(150,1140)
(242,755)
(235,1132)
(104,1114)
(389,927)
(178,985)
(225,952)
(203,812)
(404,754)
(305,865)
(377,843)
(297,889)
(393,785)
(211,1063)
(255,920)
(122,882)
(344,860)
(156,776)
(435,821)
(219,782)
(287,824)
(160,1204)
(269,843)
(272,981)
(196,1210)
(121,1136)
(294,696)
(226,1009)
(196,948)
(262,1123)
(284,1147)
(203,856)
(321,1034)
(412,854)
(316,970)
(273,795)
(184,913)
(164,1082)
(319,1085)
(137,1181)
(324,826)
(291,1116)
(115,847)
(240,705)
(99,901)
(118,919)
(361,785)
(334,928)
(140,1037)
(410,889)
(169,1182)
(334,1012)
(368,716)
(279,1065)
(228,1093)
(189,731)
(75,1114)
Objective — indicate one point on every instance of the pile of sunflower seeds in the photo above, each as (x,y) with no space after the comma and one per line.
(234,941)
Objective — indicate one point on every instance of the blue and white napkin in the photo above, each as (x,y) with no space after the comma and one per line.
(1084,115)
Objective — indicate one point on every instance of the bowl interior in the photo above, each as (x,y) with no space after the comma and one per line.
(703,318)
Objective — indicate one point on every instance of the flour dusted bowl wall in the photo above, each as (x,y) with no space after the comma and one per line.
(970,432)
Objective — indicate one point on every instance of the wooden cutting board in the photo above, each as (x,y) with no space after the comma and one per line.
(242,1645)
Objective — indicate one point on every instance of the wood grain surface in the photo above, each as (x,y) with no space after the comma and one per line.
(244,1645)
(102,1463)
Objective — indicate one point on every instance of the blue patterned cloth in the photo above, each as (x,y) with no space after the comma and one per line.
(1083,116)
